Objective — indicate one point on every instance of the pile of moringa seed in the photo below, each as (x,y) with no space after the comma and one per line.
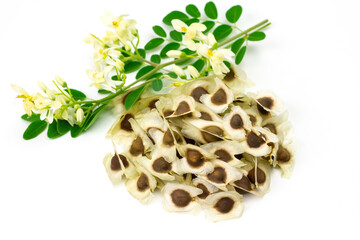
(205,145)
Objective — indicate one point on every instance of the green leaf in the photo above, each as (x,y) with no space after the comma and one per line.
(142,52)
(157,85)
(222,32)
(187,51)
(155,58)
(93,117)
(192,20)
(132,98)
(132,66)
(240,55)
(63,126)
(76,131)
(199,64)
(175,15)
(159,31)
(176,35)
(115,78)
(77,95)
(102,91)
(157,75)
(228,64)
(256,36)
(34,129)
(234,13)
(154,43)
(32,118)
(172,74)
(168,47)
(193,11)
(52,131)
(237,45)
(210,10)
(144,71)
(209,25)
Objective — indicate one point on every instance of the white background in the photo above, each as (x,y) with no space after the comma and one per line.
(58,189)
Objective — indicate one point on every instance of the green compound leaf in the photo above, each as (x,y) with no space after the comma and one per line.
(210,10)
(93,117)
(209,25)
(159,31)
(193,11)
(76,131)
(132,98)
(157,85)
(77,95)
(155,58)
(52,132)
(32,118)
(192,20)
(234,13)
(132,66)
(222,32)
(144,71)
(240,55)
(237,45)
(142,52)
(168,47)
(256,36)
(175,15)
(63,126)
(154,43)
(199,64)
(34,129)
(176,35)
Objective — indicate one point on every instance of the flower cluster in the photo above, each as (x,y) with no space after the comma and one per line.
(52,104)
(205,46)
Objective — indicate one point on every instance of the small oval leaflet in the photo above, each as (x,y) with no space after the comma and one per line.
(52,132)
(32,118)
(159,31)
(34,129)
(144,71)
(209,25)
(157,85)
(222,32)
(240,55)
(192,20)
(132,66)
(234,13)
(63,126)
(155,58)
(77,95)
(154,43)
(210,10)
(176,35)
(142,52)
(132,98)
(193,11)
(237,45)
(168,47)
(175,15)
(256,36)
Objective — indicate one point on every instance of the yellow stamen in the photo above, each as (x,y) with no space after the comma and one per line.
(101,51)
(210,52)
(184,29)
(115,24)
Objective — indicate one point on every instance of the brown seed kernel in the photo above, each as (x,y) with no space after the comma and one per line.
(194,158)
(115,163)
(243,183)
(239,156)
(223,155)
(137,147)
(271,127)
(205,192)
(178,137)
(152,104)
(253,140)
(209,137)
(124,160)
(182,108)
(125,124)
(143,182)
(181,198)
(224,205)
(252,119)
(236,122)
(230,75)
(239,190)
(168,139)
(214,130)
(198,92)
(205,116)
(218,175)
(261,176)
(168,113)
(283,155)
(266,102)
(189,141)
(219,97)
(262,110)
(161,165)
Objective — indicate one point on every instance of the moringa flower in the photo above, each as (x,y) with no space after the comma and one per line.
(99,81)
(175,54)
(216,57)
(192,32)
(193,71)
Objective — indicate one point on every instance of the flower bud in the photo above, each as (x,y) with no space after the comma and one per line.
(42,86)
(193,71)
(60,81)
(80,115)
(179,71)
(175,54)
